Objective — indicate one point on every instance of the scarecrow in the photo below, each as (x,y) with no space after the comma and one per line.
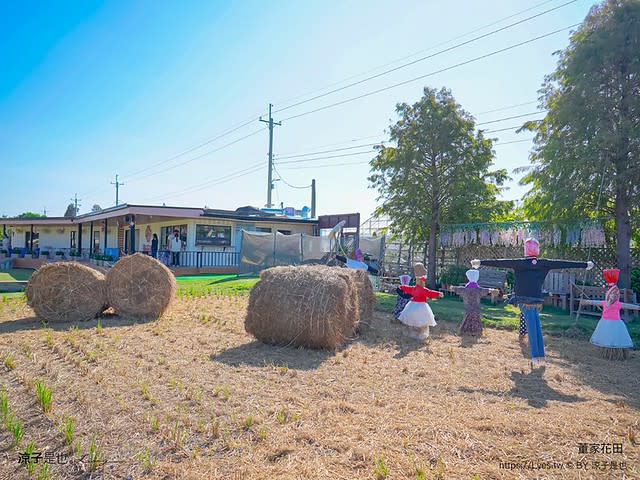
(611,335)
(530,273)
(471,294)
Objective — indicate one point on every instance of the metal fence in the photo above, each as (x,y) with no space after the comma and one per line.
(200,259)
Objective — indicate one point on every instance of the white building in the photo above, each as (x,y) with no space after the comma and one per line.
(210,238)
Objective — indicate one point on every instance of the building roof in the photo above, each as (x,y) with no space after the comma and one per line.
(247,213)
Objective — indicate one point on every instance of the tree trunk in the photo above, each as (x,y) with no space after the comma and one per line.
(623,236)
(431,265)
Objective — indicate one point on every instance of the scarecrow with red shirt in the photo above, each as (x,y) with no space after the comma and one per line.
(417,315)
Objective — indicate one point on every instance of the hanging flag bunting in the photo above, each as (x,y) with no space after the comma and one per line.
(584,233)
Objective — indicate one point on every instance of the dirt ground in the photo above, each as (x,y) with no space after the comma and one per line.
(192,396)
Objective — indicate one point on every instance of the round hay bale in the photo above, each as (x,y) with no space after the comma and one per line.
(309,306)
(66,292)
(366,296)
(140,286)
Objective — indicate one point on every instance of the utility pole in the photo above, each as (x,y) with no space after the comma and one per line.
(269,180)
(117,184)
(75,205)
(313,198)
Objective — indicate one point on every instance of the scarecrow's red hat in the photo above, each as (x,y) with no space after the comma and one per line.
(611,276)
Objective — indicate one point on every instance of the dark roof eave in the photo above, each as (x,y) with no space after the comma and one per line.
(256,218)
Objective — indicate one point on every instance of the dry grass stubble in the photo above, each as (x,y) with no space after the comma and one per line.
(214,403)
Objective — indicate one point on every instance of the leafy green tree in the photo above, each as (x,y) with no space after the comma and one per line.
(438,173)
(31,215)
(586,159)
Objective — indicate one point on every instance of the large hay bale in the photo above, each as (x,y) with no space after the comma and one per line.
(66,292)
(310,306)
(140,286)
(366,296)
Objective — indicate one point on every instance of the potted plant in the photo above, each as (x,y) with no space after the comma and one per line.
(59,255)
(4,252)
(44,254)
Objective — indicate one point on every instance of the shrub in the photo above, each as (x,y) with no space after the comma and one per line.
(635,280)
(454,275)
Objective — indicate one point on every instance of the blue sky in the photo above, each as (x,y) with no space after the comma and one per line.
(89,90)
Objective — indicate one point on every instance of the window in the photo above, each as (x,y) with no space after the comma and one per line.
(167,232)
(263,229)
(213,235)
(285,232)
(72,239)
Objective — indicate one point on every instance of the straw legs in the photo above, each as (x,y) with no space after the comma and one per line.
(531,314)
(417,333)
(612,339)
(417,317)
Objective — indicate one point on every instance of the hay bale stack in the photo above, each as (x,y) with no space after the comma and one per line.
(309,306)
(140,286)
(66,292)
(366,297)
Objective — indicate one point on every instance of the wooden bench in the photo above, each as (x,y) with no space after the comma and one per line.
(557,286)
(578,292)
(496,279)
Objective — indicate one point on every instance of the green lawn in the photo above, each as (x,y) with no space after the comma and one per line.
(15,274)
(197,285)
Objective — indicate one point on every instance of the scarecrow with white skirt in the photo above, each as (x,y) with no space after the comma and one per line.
(417,315)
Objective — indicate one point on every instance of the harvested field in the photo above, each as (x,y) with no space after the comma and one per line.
(192,396)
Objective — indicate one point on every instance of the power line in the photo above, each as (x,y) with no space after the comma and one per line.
(255,132)
(305,160)
(259,166)
(353,140)
(212,182)
(323,158)
(386,72)
(287,183)
(515,127)
(507,108)
(307,154)
(329,151)
(419,52)
(337,143)
(510,118)
(514,141)
(195,147)
(341,164)
(421,77)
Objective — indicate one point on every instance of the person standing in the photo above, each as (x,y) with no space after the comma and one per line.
(176,246)
(154,246)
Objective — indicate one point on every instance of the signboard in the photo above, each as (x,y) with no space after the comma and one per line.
(219,235)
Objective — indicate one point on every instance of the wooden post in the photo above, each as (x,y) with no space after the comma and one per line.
(106,230)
